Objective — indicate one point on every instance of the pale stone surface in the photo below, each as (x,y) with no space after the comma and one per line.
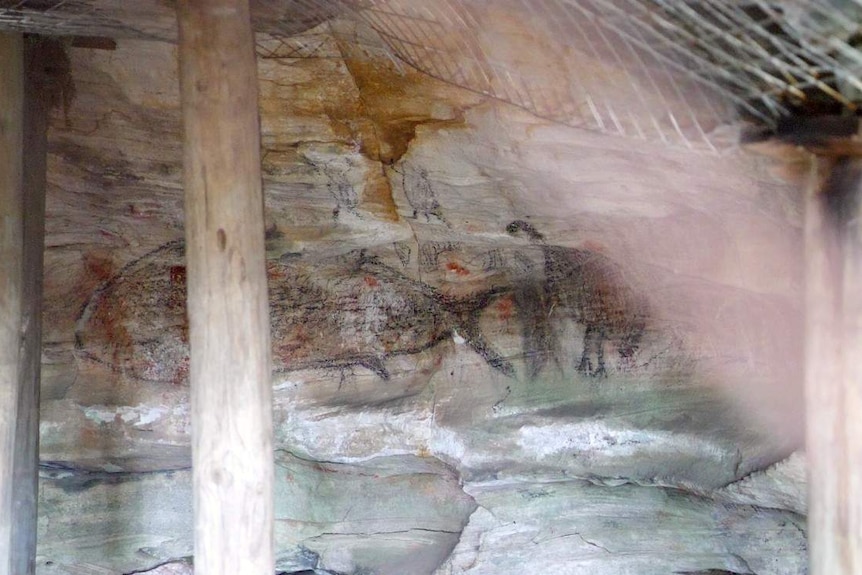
(575,528)
(390,515)
(406,514)
(429,349)
(112,523)
(781,486)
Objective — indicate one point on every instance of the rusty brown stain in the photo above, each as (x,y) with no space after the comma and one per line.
(377,198)
(398,103)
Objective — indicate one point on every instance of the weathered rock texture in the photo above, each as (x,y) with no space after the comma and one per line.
(500,345)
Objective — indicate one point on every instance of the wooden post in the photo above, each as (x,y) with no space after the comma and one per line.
(23,131)
(833,373)
(11,280)
(232,453)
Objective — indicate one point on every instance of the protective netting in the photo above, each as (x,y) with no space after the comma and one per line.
(110,19)
(662,70)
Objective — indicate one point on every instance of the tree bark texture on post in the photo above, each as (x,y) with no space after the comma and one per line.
(23,145)
(833,373)
(227,294)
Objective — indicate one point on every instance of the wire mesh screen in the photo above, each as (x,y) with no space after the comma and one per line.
(578,63)
(670,71)
(108,18)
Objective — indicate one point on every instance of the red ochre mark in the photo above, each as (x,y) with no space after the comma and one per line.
(371,281)
(290,346)
(457,269)
(99,267)
(108,327)
(181,375)
(273,272)
(505,307)
(178,276)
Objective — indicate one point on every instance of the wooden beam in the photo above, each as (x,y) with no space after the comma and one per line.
(23,135)
(833,373)
(232,453)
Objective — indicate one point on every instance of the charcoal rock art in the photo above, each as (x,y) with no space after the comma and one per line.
(340,313)
(362,311)
(493,260)
(585,286)
(429,253)
(420,194)
(355,311)
(404,251)
(339,185)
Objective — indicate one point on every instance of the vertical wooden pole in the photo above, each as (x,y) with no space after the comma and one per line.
(228,307)
(833,373)
(11,280)
(36,111)
(23,131)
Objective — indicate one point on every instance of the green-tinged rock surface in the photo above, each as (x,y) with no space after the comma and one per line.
(391,515)
(575,528)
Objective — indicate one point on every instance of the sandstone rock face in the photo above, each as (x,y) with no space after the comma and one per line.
(500,345)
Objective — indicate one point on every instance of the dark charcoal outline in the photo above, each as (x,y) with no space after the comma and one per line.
(589,288)
(425,319)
